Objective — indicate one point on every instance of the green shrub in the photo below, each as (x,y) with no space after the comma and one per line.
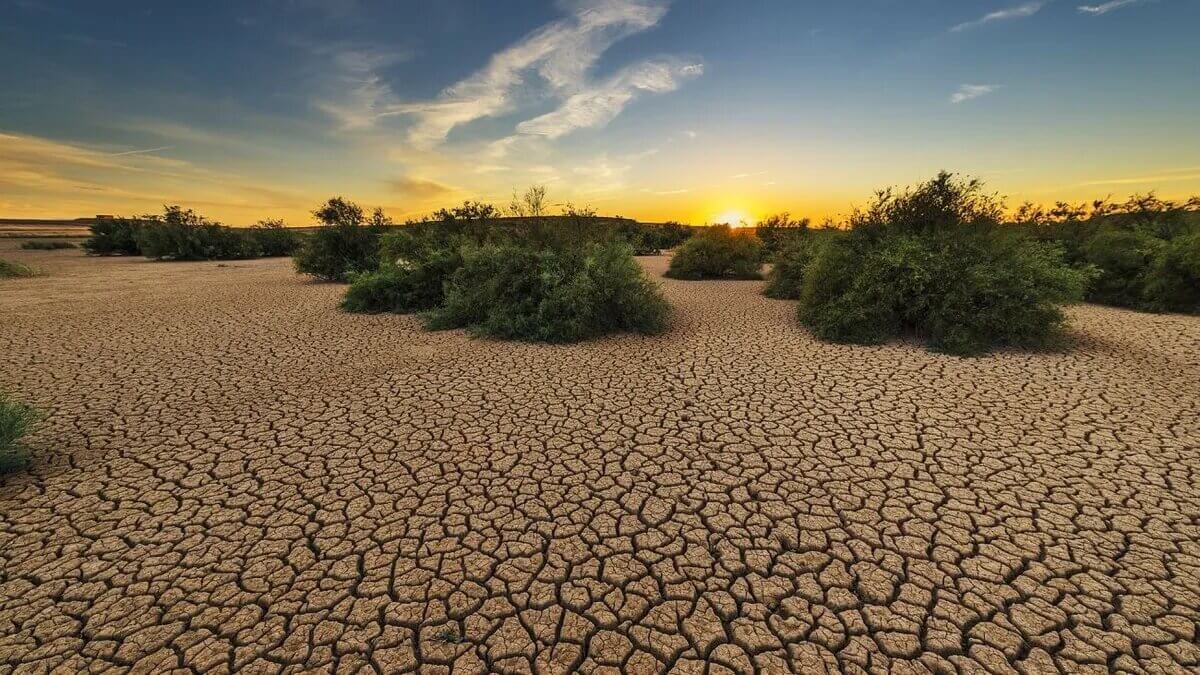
(934,263)
(346,244)
(40,245)
(272,239)
(15,270)
(552,294)
(1123,259)
(786,278)
(778,231)
(718,252)
(403,286)
(182,234)
(1173,280)
(114,236)
(15,420)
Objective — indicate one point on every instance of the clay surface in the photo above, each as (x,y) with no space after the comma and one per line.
(235,475)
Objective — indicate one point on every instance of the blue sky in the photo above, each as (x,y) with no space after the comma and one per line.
(692,109)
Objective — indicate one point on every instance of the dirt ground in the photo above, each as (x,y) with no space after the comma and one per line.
(236,476)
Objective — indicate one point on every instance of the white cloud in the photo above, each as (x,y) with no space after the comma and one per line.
(1015,12)
(968,92)
(1105,8)
(598,104)
(690,134)
(561,53)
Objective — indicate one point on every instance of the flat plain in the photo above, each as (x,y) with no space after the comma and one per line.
(235,475)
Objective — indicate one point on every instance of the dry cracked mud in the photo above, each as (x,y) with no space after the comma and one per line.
(236,476)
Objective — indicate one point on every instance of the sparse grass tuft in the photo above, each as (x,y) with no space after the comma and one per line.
(718,252)
(15,270)
(15,420)
(40,245)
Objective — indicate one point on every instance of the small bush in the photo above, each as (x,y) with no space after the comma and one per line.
(718,252)
(272,239)
(933,262)
(15,420)
(403,286)
(346,244)
(114,236)
(15,270)
(1173,281)
(796,253)
(47,245)
(514,291)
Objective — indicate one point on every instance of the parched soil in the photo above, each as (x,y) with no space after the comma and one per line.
(236,475)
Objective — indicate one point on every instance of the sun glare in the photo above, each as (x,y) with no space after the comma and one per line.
(733,218)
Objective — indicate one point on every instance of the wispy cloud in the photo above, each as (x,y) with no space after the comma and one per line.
(598,104)
(739,176)
(1106,7)
(1166,176)
(418,188)
(561,53)
(144,151)
(1014,12)
(362,95)
(969,92)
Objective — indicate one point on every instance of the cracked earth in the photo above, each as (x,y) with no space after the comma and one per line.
(234,475)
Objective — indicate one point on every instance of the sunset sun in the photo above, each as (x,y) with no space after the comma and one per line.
(733,218)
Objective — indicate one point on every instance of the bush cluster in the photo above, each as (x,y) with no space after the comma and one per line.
(42,245)
(15,420)
(778,231)
(15,270)
(515,291)
(1144,251)
(935,262)
(544,279)
(346,244)
(114,236)
(718,252)
(183,234)
(791,258)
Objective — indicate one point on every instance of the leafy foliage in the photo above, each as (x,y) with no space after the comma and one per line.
(347,243)
(114,236)
(792,258)
(182,234)
(1132,245)
(15,270)
(1173,280)
(42,245)
(15,420)
(514,291)
(718,252)
(777,231)
(934,262)
(272,239)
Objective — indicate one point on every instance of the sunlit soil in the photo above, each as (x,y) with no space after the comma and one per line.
(236,475)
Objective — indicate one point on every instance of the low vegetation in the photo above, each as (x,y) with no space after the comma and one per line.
(1145,251)
(718,252)
(114,236)
(15,270)
(16,418)
(535,277)
(42,245)
(516,291)
(346,245)
(790,260)
(183,234)
(936,263)
(778,231)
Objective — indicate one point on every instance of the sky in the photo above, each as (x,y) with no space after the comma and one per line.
(691,110)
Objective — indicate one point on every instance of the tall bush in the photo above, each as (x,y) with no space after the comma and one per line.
(346,244)
(791,260)
(718,252)
(934,262)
